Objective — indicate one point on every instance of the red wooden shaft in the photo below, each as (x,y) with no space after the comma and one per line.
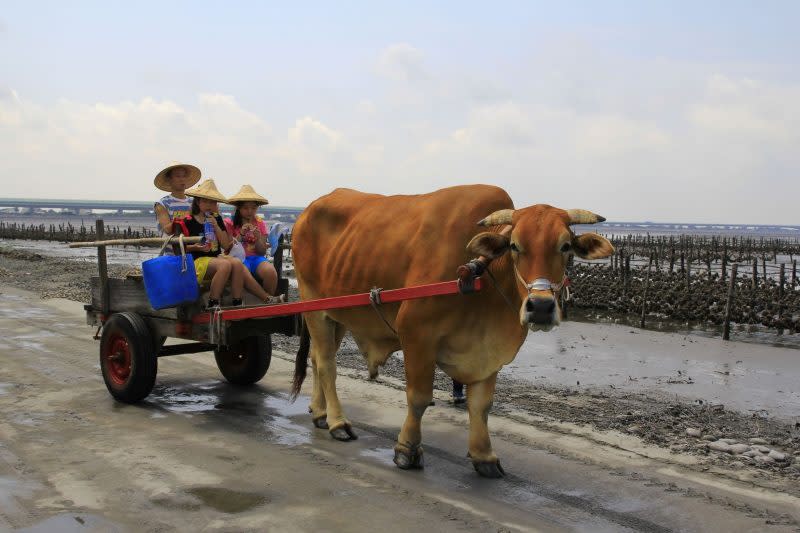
(337,302)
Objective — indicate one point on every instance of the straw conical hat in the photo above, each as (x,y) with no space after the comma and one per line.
(247,194)
(162,181)
(207,190)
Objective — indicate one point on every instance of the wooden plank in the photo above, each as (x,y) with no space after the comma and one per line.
(127,295)
(102,267)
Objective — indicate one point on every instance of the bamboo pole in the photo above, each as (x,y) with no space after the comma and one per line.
(726,328)
(132,242)
(644,293)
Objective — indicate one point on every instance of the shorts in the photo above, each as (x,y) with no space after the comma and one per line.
(252,262)
(201,267)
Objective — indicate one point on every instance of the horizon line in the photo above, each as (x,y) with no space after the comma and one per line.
(144,203)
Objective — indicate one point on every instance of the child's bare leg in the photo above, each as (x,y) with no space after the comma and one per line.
(269,277)
(218,272)
(252,285)
(237,281)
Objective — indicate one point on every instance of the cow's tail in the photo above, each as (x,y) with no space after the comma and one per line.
(301,361)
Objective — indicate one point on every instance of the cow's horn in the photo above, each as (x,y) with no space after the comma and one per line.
(498,218)
(582,216)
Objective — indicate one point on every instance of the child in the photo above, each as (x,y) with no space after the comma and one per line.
(209,264)
(250,229)
(174,179)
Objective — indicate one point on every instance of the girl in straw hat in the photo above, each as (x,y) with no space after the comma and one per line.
(174,179)
(249,229)
(210,264)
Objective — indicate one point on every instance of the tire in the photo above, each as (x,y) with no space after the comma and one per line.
(247,361)
(127,359)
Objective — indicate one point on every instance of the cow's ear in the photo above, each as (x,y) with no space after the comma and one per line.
(591,246)
(488,244)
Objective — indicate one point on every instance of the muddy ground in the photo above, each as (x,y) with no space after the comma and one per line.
(654,419)
(202,455)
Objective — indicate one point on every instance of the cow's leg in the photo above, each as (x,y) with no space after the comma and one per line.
(420,364)
(326,410)
(317,408)
(480,396)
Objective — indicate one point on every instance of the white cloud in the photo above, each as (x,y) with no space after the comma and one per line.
(748,108)
(366,107)
(402,62)
(503,126)
(705,147)
(313,135)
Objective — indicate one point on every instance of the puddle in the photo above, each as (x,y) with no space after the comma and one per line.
(21,312)
(740,376)
(71,522)
(40,334)
(4,387)
(237,407)
(33,346)
(27,421)
(382,455)
(281,404)
(228,501)
(282,429)
(275,410)
(181,401)
(9,489)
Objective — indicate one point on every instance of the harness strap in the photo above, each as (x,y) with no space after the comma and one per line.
(543,284)
(375,302)
(497,287)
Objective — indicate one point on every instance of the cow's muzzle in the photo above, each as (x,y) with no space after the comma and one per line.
(540,313)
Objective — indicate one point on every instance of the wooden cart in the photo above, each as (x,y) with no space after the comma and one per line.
(132,334)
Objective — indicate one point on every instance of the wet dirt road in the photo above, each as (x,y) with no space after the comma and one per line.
(202,455)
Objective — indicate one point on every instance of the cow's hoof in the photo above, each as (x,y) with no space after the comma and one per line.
(409,457)
(489,469)
(321,422)
(343,433)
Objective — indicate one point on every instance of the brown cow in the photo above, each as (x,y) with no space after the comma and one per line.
(350,242)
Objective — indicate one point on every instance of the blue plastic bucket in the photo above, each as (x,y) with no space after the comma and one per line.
(166,282)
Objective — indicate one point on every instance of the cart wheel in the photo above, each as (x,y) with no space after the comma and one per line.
(127,359)
(245,362)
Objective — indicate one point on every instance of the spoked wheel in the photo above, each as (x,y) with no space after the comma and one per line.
(127,357)
(245,362)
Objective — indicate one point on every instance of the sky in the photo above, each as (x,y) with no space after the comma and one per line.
(639,111)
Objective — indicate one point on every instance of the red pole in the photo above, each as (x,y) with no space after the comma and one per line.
(337,302)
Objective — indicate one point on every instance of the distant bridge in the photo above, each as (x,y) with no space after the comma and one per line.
(25,205)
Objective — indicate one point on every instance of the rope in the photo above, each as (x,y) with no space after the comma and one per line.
(375,301)
(494,282)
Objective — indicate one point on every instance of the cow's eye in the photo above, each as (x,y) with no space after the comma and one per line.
(514,247)
(566,247)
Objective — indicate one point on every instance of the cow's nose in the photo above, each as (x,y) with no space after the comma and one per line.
(541,308)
